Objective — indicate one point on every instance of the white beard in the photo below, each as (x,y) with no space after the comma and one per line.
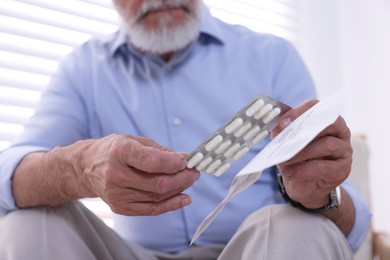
(166,38)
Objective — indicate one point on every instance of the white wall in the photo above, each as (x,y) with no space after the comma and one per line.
(320,45)
(346,44)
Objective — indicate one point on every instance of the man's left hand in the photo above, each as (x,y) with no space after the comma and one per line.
(321,166)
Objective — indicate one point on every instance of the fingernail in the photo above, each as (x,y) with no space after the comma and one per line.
(285,122)
(183,164)
(196,176)
(185,201)
(184,154)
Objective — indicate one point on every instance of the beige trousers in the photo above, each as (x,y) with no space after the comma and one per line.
(72,232)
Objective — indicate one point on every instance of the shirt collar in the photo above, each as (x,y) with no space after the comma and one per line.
(210,27)
(210,32)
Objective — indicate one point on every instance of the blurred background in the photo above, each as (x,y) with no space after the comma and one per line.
(344,43)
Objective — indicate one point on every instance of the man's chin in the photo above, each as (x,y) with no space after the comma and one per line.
(164,40)
(158,49)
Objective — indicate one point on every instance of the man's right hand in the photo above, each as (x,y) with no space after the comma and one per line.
(135,176)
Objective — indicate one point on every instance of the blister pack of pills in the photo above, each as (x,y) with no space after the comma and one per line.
(233,140)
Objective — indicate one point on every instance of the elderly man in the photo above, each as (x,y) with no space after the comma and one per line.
(172,74)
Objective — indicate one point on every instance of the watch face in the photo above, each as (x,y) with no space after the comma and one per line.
(335,198)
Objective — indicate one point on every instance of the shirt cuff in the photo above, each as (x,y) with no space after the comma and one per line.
(362,218)
(9,160)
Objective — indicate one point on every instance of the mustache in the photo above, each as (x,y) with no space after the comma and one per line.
(153,5)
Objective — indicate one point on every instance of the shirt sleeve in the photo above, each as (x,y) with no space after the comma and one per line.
(292,81)
(60,119)
(9,159)
(362,217)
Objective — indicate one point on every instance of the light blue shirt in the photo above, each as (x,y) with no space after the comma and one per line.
(107,87)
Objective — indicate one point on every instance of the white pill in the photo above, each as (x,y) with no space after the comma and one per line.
(195,159)
(203,164)
(232,126)
(260,136)
(271,115)
(251,133)
(254,107)
(242,130)
(222,147)
(214,165)
(210,145)
(221,169)
(264,110)
(240,153)
(232,149)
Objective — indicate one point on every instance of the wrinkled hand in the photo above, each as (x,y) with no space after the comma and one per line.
(136,176)
(314,172)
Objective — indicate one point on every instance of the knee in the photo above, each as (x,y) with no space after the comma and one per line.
(19,223)
(28,230)
(284,232)
(286,225)
(285,216)
(287,220)
(21,232)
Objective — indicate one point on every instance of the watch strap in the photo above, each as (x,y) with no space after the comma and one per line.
(334,199)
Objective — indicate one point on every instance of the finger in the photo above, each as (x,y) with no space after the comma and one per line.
(291,115)
(338,129)
(294,113)
(151,143)
(129,195)
(152,208)
(327,147)
(156,182)
(328,173)
(149,159)
(113,194)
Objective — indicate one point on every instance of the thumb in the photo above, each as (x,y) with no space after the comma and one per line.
(291,115)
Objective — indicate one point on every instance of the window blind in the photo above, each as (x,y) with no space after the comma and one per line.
(36,34)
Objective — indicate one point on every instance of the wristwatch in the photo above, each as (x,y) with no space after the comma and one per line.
(334,199)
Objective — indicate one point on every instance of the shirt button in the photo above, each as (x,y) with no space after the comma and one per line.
(177,121)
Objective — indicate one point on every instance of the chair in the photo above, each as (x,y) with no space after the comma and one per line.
(377,244)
